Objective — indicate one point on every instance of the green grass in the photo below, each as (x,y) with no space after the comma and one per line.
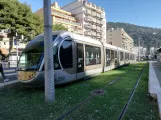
(141,107)
(112,102)
(19,103)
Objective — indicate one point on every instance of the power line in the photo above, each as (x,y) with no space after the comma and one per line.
(134,9)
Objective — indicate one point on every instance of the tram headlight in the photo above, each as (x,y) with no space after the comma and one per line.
(26,75)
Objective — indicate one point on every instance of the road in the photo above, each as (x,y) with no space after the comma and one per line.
(10,73)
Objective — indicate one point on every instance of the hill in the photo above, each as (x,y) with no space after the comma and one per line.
(149,37)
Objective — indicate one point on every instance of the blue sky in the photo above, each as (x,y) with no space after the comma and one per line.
(139,12)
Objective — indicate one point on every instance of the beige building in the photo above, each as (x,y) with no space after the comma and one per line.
(63,17)
(91,16)
(5,43)
(118,37)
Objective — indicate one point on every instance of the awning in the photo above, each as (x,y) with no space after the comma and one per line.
(4,51)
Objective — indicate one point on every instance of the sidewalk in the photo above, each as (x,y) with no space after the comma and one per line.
(155,82)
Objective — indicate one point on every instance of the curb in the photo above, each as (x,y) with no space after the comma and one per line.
(159,103)
(2,85)
(154,88)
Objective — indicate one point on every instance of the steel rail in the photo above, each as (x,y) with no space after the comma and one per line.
(91,96)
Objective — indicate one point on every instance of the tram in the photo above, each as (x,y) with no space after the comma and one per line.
(75,57)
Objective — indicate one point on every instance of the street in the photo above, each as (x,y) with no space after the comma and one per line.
(10,73)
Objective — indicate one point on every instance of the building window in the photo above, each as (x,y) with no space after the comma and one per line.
(66,54)
(93,55)
(4,43)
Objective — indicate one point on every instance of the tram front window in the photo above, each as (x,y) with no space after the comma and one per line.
(32,58)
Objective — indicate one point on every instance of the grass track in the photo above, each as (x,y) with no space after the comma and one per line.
(19,103)
(141,107)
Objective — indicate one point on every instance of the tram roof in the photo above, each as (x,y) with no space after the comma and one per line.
(76,37)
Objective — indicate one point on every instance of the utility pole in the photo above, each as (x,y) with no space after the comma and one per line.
(139,49)
(48,54)
(16,42)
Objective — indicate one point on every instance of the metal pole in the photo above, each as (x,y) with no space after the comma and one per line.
(17,49)
(139,48)
(48,54)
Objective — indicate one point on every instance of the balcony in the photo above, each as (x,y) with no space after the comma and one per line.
(67,22)
(87,33)
(93,26)
(98,31)
(87,26)
(87,12)
(94,20)
(102,22)
(93,33)
(93,6)
(102,16)
(78,31)
(63,16)
(94,14)
(98,15)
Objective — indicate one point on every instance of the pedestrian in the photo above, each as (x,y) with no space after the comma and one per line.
(1,68)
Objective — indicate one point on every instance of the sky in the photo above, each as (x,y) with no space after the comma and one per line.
(138,12)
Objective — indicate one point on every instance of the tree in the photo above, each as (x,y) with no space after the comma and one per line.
(18,17)
(58,27)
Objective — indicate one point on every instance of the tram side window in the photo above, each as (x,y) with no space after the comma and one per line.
(112,56)
(115,54)
(130,56)
(121,56)
(66,54)
(127,56)
(93,55)
(108,57)
(97,55)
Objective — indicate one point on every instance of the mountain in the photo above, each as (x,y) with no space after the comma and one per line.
(149,37)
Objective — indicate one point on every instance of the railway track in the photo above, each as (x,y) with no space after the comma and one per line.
(99,91)
(121,116)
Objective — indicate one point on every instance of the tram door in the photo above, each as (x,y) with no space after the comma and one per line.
(80,61)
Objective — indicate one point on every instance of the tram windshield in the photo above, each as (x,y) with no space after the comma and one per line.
(32,58)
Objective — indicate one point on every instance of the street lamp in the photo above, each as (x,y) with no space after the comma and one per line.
(156,44)
(16,43)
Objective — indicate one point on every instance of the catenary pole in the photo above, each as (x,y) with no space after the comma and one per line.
(48,54)
(139,48)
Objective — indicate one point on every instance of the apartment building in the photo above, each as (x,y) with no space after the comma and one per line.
(5,43)
(91,16)
(60,16)
(118,37)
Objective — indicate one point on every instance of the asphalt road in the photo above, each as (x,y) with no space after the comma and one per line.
(10,73)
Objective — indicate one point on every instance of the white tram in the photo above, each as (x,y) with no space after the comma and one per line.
(75,57)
